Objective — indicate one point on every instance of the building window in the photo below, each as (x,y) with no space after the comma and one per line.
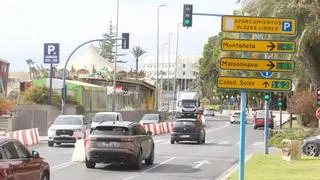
(184,65)
(184,73)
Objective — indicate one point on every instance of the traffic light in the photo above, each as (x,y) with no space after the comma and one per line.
(266,97)
(187,15)
(318,97)
(125,41)
(280,102)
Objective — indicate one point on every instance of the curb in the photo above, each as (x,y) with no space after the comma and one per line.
(232,169)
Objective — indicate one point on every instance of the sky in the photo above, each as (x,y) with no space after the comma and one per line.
(27,24)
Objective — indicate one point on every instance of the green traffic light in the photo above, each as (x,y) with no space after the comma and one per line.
(280,104)
(266,97)
(187,22)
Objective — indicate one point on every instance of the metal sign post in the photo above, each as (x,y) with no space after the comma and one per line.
(51,56)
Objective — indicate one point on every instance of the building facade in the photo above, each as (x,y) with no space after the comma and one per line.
(187,69)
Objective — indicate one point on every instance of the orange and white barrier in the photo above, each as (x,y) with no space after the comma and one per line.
(27,136)
(161,128)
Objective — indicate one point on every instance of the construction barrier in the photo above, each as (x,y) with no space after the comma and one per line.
(27,137)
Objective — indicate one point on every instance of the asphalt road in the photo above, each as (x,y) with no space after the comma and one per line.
(172,162)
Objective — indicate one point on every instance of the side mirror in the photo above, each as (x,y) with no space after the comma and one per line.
(149,133)
(35,154)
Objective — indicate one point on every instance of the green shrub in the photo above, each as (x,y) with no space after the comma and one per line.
(276,136)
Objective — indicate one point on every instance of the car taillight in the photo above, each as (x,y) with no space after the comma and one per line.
(173,128)
(127,139)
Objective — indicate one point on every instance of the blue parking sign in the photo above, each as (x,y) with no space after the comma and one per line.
(286,26)
(51,53)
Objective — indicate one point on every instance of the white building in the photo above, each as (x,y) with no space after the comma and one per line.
(187,69)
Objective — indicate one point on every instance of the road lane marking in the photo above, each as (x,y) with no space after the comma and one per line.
(257,144)
(200,163)
(164,162)
(224,142)
(61,166)
(158,140)
(130,177)
(219,128)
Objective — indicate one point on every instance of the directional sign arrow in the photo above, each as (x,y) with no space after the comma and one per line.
(271,65)
(266,84)
(271,46)
(200,163)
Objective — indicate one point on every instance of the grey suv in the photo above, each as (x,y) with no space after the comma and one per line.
(120,142)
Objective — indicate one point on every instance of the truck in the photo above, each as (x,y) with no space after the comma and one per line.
(187,104)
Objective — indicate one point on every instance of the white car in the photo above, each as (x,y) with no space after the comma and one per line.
(235,117)
(150,119)
(105,116)
(66,129)
(208,112)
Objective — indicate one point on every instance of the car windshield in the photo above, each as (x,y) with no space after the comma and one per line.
(151,117)
(261,114)
(189,104)
(111,130)
(68,120)
(104,117)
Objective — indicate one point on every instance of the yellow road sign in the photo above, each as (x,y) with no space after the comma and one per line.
(258,46)
(244,24)
(257,64)
(254,83)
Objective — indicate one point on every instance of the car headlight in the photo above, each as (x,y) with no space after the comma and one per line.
(52,130)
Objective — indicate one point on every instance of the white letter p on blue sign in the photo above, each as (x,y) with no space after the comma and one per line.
(286,26)
(51,50)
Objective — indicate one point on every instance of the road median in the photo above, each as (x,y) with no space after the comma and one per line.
(274,167)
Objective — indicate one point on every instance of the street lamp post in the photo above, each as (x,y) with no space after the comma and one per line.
(168,82)
(175,69)
(115,62)
(162,71)
(157,84)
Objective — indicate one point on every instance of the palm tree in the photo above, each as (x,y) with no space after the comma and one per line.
(137,52)
(30,63)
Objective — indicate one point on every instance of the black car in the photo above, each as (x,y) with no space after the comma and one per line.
(188,130)
(120,142)
(311,146)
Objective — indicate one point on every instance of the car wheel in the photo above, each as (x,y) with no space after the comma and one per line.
(150,160)
(138,161)
(50,143)
(172,141)
(231,122)
(90,164)
(254,127)
(45,176)
(311,149)
(204,140)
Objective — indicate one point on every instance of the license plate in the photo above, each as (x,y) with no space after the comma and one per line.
(185,136)
(109,144)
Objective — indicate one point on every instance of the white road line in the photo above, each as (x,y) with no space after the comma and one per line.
(224,142)
(61,166)
(218,128)
(158,140)
(257,144)
(164,162)
(130,177)
(167,142)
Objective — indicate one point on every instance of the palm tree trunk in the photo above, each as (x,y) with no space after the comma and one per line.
(138,84)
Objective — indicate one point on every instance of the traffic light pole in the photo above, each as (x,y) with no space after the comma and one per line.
(280,117)
(266,126)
